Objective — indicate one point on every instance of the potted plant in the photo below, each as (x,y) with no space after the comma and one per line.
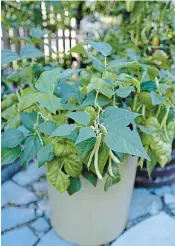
(84,124)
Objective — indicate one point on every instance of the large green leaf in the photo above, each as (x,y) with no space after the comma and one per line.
(47,127)
(124,91)
(68,73)
(96,62)
(125,80)
(80,117)
(37,33)
(73,165)
(75,185)
(12,138)
(50,102)
(9,56)
(79,49)
(116,64)
(63,130)
(84,149)
(32,145)
(117,117)
(125,141)
(101,86)
(9,155)
(47,79)
(102,47)
(56,177)
(46,153)
(30,52)
(28,119)
(90,176)
(156,98)
(85,133)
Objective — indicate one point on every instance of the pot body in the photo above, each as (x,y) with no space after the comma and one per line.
(92,216)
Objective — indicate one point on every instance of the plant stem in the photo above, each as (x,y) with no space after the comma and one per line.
(135,103)
(158,111)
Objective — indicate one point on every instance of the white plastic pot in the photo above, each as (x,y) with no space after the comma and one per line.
(92,216)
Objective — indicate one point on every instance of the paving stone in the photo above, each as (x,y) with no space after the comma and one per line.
(162,190)
(44,206)
(169,198)
(143,204)
(173,187)
(52,238)
(29,175)
(157,230)
(141,190)
(40,225)
(12,217)
(19,237)
(39,212)
(13,193)
(40,234)
(40,186)
(32,205)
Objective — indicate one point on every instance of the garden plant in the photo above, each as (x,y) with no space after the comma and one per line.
(86,122)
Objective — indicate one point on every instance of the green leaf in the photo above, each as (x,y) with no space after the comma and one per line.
(46,153)
(30,52)
(75,185)
(73,165)
(28,100)
(96,62)
(9,113)
(116,64)
(156,98)
(148,86)
(124,92)
(111,180)
(85,133)
(125,80)
(79,49)
(153,161)
(9,56)
(117,117)
(101,86)
(56,177)
(47,79)
(69,72)
(102,47)
(47,127)
(91,177)
(80,117)
(32,145)
(144,129)
(9,155)
(12,138)
(37,33)
(84,149)
(28,119)
(125,141)
(63,130)
(18,39)
(50,102)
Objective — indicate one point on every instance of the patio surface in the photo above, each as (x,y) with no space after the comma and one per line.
(25,214)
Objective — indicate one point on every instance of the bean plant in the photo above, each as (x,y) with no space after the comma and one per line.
(86,122)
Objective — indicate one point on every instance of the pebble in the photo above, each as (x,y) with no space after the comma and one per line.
(44,206)
(162,190)
(40,186)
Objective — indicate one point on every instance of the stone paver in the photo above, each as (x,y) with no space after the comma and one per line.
(20,237)
(13,193)
(51,238)
(162,190)
(143,204)
(40,225)
(30,175)
(40,186)
(12,217)
(173,188)
(169,199)
(157,230)
(43,206)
